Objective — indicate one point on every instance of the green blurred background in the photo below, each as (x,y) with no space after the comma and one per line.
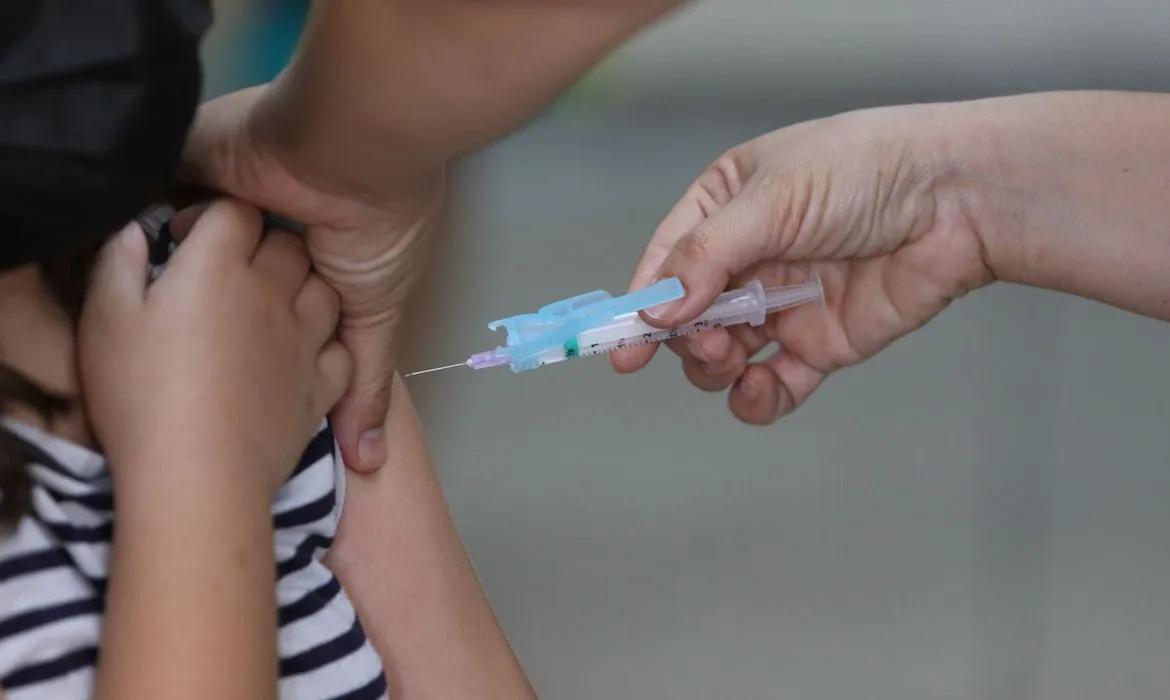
(982,512)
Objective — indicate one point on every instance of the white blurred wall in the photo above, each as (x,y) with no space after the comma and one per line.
(741,47)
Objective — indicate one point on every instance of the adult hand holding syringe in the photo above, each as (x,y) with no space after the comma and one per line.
(879,203)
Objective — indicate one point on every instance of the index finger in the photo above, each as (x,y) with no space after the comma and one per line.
(227,228)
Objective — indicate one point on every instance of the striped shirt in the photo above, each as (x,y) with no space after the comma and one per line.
(54,568)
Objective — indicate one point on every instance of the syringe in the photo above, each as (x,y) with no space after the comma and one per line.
(597,323)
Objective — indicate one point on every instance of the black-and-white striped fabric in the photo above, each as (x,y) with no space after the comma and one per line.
(54,566)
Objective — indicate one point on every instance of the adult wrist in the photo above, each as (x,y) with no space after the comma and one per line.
(346,150)
(998,150)
(962,145)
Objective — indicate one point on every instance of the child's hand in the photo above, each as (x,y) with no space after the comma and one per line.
(228,359)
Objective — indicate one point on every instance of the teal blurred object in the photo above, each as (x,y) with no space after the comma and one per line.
(251,44)
(279,24)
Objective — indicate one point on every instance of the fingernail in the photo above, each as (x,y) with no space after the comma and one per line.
(372,448)
(750,388)
(699,353)
(666,311)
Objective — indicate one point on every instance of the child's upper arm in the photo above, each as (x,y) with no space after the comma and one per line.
(400,559)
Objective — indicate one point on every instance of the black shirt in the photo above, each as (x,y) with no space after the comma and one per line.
(96,97)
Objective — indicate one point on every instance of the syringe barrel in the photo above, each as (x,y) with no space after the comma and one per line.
(744,305)
(749,304)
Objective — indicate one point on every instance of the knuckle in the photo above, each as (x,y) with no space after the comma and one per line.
(342,362)
(718,183)
(786,205)
(701,377)
(370,394)
(288,243)
(288,239)
(695,246)
(336,367)
(725,174)
(317,304)
(376,385)
(330,300)
(235,212)
(295,249)
(773,181)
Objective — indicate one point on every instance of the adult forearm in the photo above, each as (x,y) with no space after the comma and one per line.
(1071,191)
(191,609)
(376,85)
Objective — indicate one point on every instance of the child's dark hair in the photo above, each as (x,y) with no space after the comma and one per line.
(67,279)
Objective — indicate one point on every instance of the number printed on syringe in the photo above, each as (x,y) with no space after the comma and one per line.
(600,346)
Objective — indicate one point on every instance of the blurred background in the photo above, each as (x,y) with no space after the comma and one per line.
(983,511)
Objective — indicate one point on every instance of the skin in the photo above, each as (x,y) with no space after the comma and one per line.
(303,147)
(399,557)
(936,198)
(353,140)
(172,373)
(200,389)
(245,316)
(902,210)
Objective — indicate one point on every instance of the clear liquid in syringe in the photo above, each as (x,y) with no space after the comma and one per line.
(630,331)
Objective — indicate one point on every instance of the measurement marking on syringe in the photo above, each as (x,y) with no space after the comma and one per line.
(647,338)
